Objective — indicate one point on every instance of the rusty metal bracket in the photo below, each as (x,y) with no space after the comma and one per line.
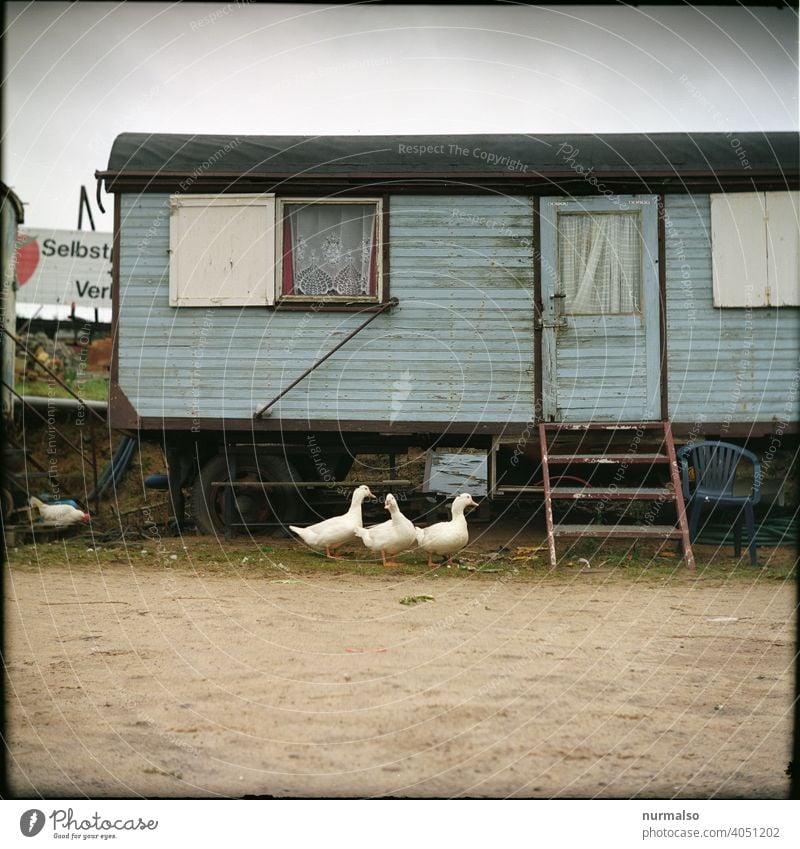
(263,411)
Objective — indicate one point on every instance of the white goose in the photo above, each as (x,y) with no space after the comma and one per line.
(331,533)
(447,537)
(390,537)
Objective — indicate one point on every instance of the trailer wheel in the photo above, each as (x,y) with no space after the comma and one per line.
(253,505)
(7,504)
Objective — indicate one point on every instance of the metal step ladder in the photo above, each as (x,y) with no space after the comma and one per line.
(551,456)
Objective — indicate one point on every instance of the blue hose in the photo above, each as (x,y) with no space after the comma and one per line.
(115,470)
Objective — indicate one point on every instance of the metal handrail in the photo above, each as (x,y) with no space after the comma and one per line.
(392,302)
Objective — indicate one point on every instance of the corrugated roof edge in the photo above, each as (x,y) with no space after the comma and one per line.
(143,153)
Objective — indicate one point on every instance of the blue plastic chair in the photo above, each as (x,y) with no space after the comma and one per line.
(715,465)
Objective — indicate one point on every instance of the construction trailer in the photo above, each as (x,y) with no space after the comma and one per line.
(282,304)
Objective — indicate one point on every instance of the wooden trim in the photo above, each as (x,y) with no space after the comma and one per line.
(438,431)
(315,306)
(504,176)
(115,290)
(537,317)
(662,308)
(385,237)
(288,427)
(550,183)
(735,429)
(121,413)
(334,303)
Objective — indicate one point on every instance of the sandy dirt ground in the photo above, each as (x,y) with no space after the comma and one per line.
(136,675)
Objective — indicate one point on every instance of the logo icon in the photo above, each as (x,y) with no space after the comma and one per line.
(31,822)
(27,257)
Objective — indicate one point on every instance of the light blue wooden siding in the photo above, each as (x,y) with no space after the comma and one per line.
(459,348)
(601,367)
(725,365)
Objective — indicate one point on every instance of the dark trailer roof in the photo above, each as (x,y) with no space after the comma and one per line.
(675,161)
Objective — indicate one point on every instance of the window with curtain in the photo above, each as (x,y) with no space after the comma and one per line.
(330,250)
(600,262)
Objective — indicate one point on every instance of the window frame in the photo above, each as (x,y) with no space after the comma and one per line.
(322,302)
(634,210)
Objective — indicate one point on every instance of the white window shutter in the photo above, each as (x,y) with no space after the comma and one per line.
(755,248)
(739,249)
(222,250)
(783,248)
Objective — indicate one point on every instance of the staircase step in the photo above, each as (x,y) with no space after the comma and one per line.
(607,458)
(576,446)
(596,493)
(618,531)
(566,427)
(620,493)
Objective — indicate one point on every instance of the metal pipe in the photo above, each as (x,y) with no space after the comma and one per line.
(392,302)
(60,403)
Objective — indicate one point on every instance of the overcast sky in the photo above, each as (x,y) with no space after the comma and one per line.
(78,74)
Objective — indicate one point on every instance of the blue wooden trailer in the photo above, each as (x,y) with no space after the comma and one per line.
(282,304)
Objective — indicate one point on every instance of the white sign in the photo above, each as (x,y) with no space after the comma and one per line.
(65,268)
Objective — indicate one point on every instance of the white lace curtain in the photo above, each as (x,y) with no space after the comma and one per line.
(600,261)
(330,249)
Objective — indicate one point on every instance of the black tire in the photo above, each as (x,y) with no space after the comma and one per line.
(336,465)
(253,504)
(7,503)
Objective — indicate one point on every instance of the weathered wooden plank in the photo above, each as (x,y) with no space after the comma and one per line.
(735,365)
(462,336)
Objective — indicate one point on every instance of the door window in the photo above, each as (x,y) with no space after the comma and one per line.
(600,262)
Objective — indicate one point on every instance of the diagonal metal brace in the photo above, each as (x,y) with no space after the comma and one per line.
(263,411)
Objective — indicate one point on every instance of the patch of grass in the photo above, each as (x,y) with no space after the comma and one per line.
(285,560)
(92,389)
